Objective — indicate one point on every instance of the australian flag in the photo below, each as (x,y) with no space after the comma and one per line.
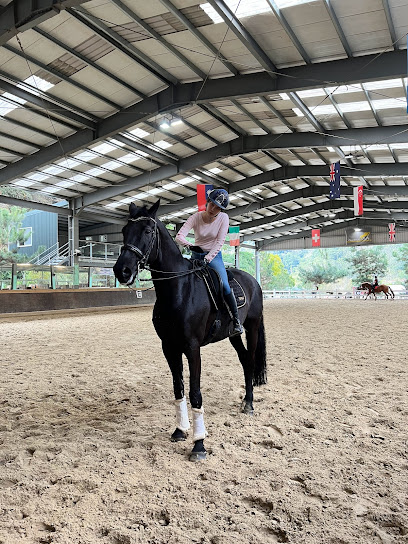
(335,180)
(202,194)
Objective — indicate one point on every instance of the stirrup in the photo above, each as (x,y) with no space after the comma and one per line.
(237,328)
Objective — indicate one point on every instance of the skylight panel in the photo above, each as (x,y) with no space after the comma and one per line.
(354,106)
(37,83)
(114,204)
(325,109)
(130,157)
(289,3)
(311,93)
(111,165)
(6,107)
(184,181)
(399,146)
(384,84)
(169,186)
(139,132)
(50,189)
(241,8)
(388,103)
(65,183)
(104,148)
(117,143)
(52,170)
(344,89)
(85,156)
(94,171)
(215,170)
(24,183)
(162,144)
(68,163)
(156,190)
(38,177)
(79,178)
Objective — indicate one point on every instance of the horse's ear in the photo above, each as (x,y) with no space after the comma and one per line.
(154,208)
(132,209)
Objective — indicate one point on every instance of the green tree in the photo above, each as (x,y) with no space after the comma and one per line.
(273,273)
(319,272)
(321,266)
(402,255)
(365,263)
(11,218)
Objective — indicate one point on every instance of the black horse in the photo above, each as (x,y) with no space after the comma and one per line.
(184,315)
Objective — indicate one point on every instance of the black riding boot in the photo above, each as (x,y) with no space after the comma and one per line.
(232,303)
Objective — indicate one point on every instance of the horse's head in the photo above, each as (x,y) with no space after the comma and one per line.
(140,239)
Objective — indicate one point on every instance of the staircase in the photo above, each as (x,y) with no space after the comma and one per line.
(54,255)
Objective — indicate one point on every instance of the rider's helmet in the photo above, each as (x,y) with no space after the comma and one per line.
(219,197)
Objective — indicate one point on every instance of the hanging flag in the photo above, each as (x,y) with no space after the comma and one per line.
(335,180)
(315,237)
(391,232)
(202,194)
(358,200)
(234,236)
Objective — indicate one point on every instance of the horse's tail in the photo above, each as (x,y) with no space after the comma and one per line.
(260,375)
(392,292)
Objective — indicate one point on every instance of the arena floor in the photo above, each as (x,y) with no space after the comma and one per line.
(86,413)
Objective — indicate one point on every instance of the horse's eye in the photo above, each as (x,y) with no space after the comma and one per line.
(148,231)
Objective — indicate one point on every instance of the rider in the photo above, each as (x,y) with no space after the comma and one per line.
(375,284)
(210,230)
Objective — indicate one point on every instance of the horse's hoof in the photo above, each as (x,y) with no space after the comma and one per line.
(196,456)
(178,436)
(247,409)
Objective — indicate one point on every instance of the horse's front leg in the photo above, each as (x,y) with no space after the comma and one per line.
(174,358)
(198,452)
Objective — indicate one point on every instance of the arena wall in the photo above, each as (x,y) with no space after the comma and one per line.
(45,300)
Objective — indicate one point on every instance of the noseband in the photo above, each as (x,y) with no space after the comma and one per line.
(143,256)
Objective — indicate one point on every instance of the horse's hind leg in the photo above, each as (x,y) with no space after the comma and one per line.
(247,359)
(175,362)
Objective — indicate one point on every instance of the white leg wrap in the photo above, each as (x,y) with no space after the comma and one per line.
(182,421)
(199,432)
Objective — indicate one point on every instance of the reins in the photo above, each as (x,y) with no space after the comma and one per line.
(143,264)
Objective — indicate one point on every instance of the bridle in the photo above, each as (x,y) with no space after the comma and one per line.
(144,257)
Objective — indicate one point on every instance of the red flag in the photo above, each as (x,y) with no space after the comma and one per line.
(315,237)
(202,194)
(358,200)
(391,232)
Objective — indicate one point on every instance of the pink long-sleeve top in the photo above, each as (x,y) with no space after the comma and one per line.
(209,236)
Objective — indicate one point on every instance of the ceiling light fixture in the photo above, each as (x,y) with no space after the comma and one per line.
(170,120)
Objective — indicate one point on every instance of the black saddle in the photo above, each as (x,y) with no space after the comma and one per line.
(215,287)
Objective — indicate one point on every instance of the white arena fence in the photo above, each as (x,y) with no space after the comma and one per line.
(296,293)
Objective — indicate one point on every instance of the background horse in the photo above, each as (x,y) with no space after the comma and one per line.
(386,289)
(184,316)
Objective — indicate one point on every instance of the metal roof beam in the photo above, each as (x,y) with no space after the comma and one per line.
(188,24)
(18,16)
(112,37)
(62,76)
(243,35)
(89,62)
(338,28)
(280,174)
(323,206)
(281,18)
(223,119)
(45,101)
(390,23)
(159,38)
(109,127)
(163,157)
